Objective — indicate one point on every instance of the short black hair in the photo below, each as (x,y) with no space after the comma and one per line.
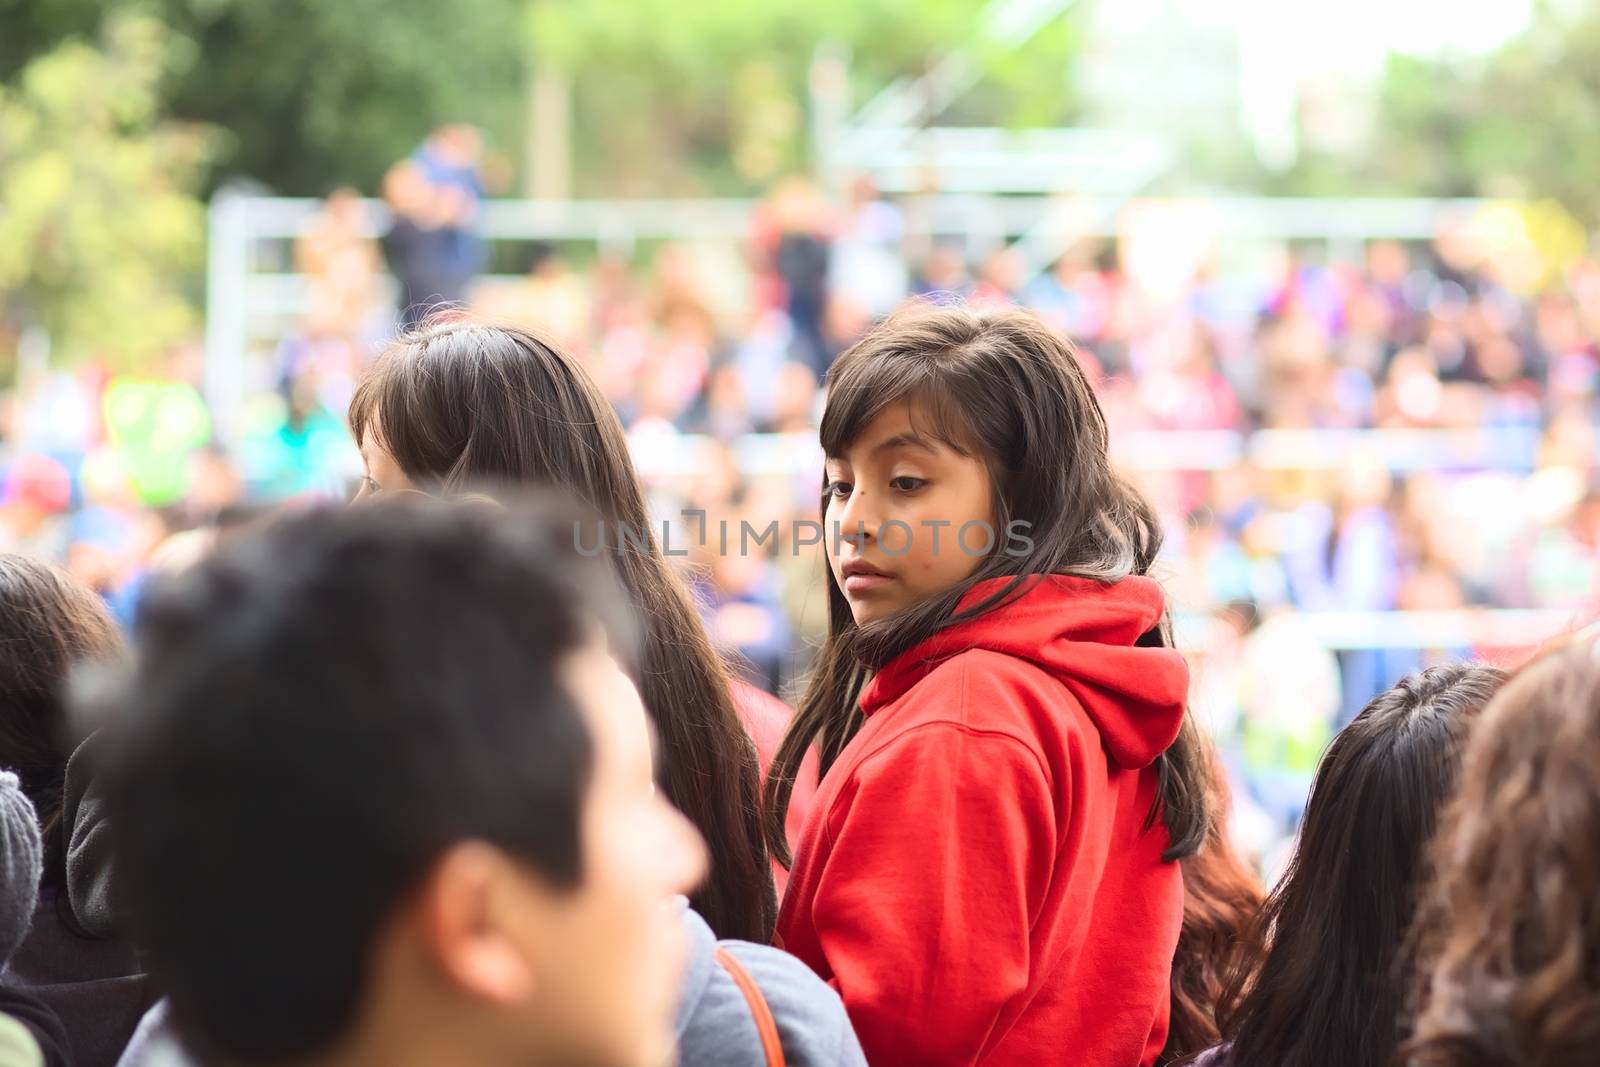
(316,713)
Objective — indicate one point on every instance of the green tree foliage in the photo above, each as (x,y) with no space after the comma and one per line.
(312,94)
(669,96)
(1518,123)
(100,224)
(318,93)
(686,97)
(33,27)
(1524,124)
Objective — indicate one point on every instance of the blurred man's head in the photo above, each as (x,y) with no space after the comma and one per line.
(384,794)
(460,143)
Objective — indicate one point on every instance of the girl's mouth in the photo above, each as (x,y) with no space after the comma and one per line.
(860,578)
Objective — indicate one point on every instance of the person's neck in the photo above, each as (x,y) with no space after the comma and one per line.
(395,1047)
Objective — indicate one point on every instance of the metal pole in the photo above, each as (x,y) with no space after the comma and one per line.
(227,267)
(829,86)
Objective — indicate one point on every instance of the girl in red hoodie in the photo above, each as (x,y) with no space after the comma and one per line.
(987,873)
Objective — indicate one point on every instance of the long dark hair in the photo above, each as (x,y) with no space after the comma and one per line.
(1509,928)
(1330,990)
(1002,386)
(463,404)
(49,623)
(1221,895)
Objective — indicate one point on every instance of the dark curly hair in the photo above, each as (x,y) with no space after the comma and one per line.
(1509,932)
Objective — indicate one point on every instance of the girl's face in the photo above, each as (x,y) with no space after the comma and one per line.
(913,516)
(381,474)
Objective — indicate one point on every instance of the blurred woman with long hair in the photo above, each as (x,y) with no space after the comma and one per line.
(1329,991)
(459,404)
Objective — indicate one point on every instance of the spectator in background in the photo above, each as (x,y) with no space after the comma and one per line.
(1388,265)
(49,624)
(721,410)
(340,264)
(866,262)
(1511,398)
(845,321)
(798,393)
(33,510)
(1295,373)
(685,346)
(1290,691)
(432,248)
(1192,394)
(800,253)
(1345,557)
(1053,296)
(677,289)
(215,488)
(944,274)
(1000,279)
(113,533)
(551,301)
(1560,564)
(760,355)
(415,244)
(738,591)
(449,161)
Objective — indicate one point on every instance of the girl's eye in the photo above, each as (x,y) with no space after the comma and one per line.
(837,490)
(372,486)
(907,484)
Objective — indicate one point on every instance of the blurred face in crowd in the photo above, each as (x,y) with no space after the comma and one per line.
(886,493)
(460,143)
(614,949)
(576,976)
(380,473)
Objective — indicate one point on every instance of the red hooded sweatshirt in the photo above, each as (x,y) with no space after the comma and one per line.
(977,878)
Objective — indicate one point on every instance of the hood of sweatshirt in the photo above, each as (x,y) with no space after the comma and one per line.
(1082,632)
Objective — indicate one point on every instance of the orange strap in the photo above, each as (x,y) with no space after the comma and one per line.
(766,1025)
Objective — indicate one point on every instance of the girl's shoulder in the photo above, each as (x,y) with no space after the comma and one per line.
(973,691)
(989,675)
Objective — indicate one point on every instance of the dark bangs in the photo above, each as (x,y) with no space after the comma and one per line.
(860,390)
(408,404)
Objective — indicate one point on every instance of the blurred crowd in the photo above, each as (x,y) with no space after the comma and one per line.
(109,473)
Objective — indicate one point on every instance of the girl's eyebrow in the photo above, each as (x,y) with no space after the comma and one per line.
(904,440)
(889,444)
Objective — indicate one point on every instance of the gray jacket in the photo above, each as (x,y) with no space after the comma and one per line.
(716,1029)
(714,1026)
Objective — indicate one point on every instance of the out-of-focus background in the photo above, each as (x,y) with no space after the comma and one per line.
(1333,266)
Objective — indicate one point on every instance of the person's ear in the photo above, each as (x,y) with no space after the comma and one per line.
(470,911)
